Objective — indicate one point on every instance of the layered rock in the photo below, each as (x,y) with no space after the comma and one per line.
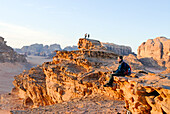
(61,79)
(7,54)
(31,86)
(81,73)
(134,62)
(95,44)
(118,49)
(158,49)
(2,40)
(143,96)
(89,44)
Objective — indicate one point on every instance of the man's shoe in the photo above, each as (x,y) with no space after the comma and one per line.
(108,85)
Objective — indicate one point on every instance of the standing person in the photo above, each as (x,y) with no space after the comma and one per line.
(85,35)
(88,35)
(123,69)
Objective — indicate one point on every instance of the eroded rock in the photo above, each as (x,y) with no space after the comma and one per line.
(7,54)
(82,73)
(158,49)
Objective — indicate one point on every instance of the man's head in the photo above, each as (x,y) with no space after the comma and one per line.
(120,59)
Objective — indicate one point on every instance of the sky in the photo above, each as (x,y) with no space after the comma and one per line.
(123,22)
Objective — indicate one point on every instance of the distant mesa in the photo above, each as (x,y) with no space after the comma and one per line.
(41,50)
(70,48)
(118,49)
(7,54)
(157,49)
(38,49)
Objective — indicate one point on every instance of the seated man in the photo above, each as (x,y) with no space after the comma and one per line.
(123,69)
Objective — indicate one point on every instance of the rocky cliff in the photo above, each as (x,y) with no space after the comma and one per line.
(89,44)
(95,44)
(7,54)
(118,49)
(82,73)
(158,49)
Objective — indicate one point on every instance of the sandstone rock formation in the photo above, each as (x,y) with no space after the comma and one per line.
(89,44)
(95,44)
(133,61)
(118,49)
(158,49)
(2,40)
(7,54)
(82,73)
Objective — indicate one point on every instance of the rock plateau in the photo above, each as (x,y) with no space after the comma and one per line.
(82,73)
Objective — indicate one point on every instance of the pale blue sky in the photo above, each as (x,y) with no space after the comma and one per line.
(123,22)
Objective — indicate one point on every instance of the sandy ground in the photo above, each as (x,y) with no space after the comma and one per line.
(9,70)
(37,60)
(7,73)
(93,104)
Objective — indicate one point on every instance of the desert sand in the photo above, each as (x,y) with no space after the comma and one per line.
(7,73)
(37,60)
(9,70)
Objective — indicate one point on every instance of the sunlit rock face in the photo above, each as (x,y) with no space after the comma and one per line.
(158,49)
(95,44)
(7,54)
(89,44)
(81,73)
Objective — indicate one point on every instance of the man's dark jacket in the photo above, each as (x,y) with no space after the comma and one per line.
(124,68)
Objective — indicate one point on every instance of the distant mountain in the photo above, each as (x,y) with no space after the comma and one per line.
(38,49)
(118,49)
(71,48)
(41,50)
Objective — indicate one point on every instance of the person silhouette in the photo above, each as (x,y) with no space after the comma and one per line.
(85,35)
(88,35)
(123,69)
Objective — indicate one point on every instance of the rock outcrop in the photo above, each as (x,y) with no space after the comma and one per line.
(118,49)
(158,49)
(134,62)
(95,44)
(89,44)
(82,73)
(7,54)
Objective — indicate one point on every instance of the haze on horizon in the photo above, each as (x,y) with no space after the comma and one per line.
(64,21)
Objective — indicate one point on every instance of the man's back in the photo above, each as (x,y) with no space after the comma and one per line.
(124,68)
